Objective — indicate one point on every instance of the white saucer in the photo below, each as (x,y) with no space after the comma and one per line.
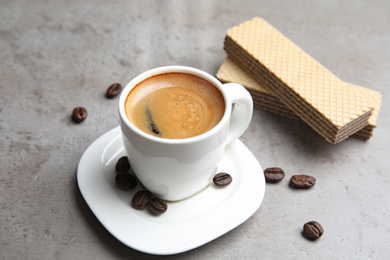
(188,223)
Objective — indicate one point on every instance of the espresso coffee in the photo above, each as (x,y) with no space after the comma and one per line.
(174,105)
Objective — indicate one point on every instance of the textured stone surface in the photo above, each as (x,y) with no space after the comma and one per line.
(56,55)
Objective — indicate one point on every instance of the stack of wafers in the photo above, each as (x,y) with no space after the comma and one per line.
(285,80)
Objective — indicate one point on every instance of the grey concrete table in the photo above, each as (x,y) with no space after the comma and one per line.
(56,55)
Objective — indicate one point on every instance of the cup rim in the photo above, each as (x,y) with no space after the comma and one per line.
(167,69)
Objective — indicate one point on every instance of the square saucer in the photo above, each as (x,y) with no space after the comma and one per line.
(188,223)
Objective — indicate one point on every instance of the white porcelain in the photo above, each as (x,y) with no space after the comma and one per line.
(187,224)
(174,169)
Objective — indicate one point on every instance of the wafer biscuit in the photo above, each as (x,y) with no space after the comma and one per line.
(316,122)
(266,100)
(330,106)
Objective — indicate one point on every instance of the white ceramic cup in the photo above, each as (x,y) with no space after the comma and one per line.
(174,169)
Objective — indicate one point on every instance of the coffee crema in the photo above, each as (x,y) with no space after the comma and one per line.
(174,105)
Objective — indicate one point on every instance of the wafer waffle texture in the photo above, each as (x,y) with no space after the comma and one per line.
(266,100)
(330,106)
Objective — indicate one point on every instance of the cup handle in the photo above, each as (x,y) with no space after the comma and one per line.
(242,110)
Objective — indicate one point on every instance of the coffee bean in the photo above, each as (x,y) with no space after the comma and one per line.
(114,90)
(157,206)
(274,174)
(141,199)
(222,179)
(302,181)
(122,164)
(79,114)
(125,180)
(313,230)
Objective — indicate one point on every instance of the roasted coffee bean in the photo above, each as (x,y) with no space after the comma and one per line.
(157,206)
(313,230)
(122,164)
(125,180)
(222,179)
(141,199)
(114,90)
(274,174)
(302,181)
(79,114)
